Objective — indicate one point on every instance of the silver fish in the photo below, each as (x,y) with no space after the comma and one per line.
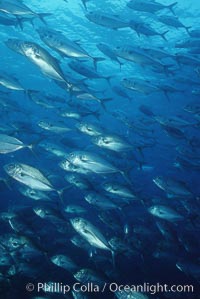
(119,190)
(100,201)
(112,142)
(64,262)
(28,176)
(106,20)
(139,85)
(53,128)
(89,129)
(9,144)
(74,209)
(90,233)
(48,64)
(149,6)
(64,46)
(92,163)
(10,83)
(165,212)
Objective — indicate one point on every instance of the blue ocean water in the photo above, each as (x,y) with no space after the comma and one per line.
(99,148)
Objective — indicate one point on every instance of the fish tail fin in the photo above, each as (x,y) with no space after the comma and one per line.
(113,259)
(104,101)
(120,65)
(31,147)
(108,79)
(163,35)
(167,95)
(96,60)
(29,93)
(171,6)
(42,16)
(20,23)
(60,192)
(140,149)
(187,29)
(125,176)
(84,3)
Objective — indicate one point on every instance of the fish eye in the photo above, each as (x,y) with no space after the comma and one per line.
(15,244)
(3,261)
(83,158)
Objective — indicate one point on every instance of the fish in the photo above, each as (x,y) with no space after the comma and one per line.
(82,69)
(87,96)
(172,187)
(149,6)
(139,85)
(138,56)
(33,194)
(53,148)
(53,128)
(39,56)
(107,51)
(29,176)
(188,43)
(165,212)
(112,142)
(121,92)
(75,209)
(9,144)
(119,190)
(189,268)
(93,163)
(106,20)
(64,262)
(147,30)
(100,201)
(89,129)
(90,233)
(173,121)
(18,9)
(10,82)
(78,181)
(173,22)
(65,47)
(8,21)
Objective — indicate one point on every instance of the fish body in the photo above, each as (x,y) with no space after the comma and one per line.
(10,83)
(166,213)
(78,181)
(106,20)
(172,21)
(139,85)
(149,6)
(64,262)
(53,128)
(119,190)
(91,162)
(39,56)
(112,142)
(100,201)
(90,233)
(28,176)
(173,187)
(89,129)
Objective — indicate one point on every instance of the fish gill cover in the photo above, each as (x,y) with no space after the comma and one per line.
(99,149)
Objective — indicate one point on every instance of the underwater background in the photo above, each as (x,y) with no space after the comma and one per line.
(99,146)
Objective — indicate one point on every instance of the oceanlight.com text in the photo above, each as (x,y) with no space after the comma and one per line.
(113,287)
